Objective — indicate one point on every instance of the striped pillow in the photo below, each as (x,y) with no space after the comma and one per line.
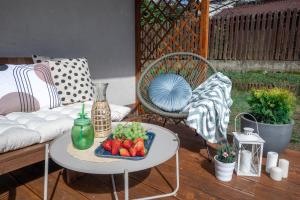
(26,88)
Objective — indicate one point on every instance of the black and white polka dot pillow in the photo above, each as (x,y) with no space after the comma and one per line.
(72,79)
(39,59)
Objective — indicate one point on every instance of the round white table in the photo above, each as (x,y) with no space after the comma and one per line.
(165,145)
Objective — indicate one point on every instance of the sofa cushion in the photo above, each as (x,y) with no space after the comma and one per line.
(15,136)
(48,124)
(71,78)
(26,88)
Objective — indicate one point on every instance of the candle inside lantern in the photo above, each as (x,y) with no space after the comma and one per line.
(276,173)
(284,165)
(272,158)
(245,161)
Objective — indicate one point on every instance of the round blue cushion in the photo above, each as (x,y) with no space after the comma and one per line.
(170,92)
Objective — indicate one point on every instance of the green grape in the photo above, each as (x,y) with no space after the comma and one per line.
(131,131)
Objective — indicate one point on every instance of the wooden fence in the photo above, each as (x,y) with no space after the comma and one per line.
(265,36)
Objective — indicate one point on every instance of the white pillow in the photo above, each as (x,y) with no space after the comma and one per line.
(118,113)
(26,88)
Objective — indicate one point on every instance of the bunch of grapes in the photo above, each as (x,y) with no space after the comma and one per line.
(131,131)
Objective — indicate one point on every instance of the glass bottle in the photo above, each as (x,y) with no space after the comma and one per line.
(82,132)
(101,115)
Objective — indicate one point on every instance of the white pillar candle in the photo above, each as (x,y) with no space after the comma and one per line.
(284,165)
(245,161)
(272,158)
(276,173)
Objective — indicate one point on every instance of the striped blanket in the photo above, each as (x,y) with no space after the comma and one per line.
(209,108)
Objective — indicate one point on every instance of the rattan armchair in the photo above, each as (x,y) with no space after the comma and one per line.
(194,68)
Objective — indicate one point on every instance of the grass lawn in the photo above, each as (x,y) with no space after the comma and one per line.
(240,105)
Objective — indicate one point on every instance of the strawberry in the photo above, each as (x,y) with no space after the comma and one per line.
(124,152)
(142,152)
(139,146)
(127,144)
(123,138)
(138,140)
(107,144)
(116,144)
(132,151)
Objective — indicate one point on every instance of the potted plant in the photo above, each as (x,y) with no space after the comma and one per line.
(224,163)
(273,109)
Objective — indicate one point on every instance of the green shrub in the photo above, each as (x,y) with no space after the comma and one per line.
(272,106)
(225,154)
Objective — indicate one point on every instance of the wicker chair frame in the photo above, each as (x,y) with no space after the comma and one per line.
(195,74)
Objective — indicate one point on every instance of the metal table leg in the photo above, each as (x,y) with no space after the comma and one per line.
(171,193)
(126,185)
(46,172)
(114,187)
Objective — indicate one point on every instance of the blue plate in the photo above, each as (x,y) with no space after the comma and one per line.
(101,152)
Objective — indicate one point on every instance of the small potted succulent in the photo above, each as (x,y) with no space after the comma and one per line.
(224,163)
(273,109)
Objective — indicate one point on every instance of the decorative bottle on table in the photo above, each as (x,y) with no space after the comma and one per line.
(101,114)
(82,131)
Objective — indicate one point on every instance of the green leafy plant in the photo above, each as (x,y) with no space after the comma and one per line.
(225,154)
(272,106)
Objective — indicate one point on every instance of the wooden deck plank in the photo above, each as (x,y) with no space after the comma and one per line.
(138,189)
(197,180)
(11,189)
(166,181)
(32,177)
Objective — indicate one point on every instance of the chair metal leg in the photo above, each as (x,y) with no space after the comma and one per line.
(184,122)
(207,150)
(177,122)
(165,121)
(206,146)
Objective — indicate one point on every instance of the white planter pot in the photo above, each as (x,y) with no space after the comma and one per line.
(223,171)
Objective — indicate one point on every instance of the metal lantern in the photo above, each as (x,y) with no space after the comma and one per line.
(249,150)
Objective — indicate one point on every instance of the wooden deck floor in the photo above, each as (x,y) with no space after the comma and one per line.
(197,180)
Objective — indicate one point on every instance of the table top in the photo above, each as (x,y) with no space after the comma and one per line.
(164,146)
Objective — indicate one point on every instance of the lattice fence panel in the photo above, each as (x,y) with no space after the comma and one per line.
(168,26)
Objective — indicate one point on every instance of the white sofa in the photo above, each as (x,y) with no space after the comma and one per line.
(20,129)
(23,135)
